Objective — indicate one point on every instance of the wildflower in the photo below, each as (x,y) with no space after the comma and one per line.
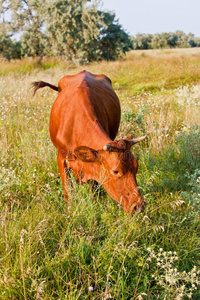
(91,289)
(23,232)
(108,296)
(40,289)
(48,186)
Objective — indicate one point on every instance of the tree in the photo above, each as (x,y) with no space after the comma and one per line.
(162,40)
(172,40)
(142,41)
(26,19)
(33,42)
(191,40)
(5,46)
(159,41)
(75,29)
(83,33)
(197,41)
(182,39)
(8,48)
(113,40)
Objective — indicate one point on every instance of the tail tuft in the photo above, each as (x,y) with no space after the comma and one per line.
(40,84)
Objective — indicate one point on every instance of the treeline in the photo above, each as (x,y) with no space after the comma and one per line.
(163,40)
(75,29)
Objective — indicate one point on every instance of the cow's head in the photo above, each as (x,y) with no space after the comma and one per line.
(115,167)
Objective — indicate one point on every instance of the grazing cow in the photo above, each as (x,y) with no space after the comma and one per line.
(83,124)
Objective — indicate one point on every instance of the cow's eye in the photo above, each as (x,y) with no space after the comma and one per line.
(115,172)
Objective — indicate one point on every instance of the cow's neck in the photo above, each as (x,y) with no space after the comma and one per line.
(91,133)
(94,136)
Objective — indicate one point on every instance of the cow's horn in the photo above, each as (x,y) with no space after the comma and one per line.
(137,140)
(106,147)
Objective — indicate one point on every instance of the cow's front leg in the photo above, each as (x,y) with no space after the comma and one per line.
(64,173)
(94,186)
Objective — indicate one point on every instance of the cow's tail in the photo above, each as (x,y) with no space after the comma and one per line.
(40,84)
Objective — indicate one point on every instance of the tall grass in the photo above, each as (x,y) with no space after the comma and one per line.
(95,250)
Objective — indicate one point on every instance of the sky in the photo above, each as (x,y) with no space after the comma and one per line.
(156,16)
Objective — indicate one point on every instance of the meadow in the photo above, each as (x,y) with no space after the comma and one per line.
(96,250)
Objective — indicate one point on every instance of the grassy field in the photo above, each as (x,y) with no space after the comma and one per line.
(97,251)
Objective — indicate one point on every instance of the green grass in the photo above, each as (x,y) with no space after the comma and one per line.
(95,250)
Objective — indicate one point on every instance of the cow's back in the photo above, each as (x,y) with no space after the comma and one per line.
(86,105)
(106,104)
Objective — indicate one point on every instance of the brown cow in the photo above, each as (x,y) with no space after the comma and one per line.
(84,121)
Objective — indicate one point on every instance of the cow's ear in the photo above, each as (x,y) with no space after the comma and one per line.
(86,154)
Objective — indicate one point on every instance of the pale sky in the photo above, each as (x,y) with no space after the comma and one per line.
(156,16)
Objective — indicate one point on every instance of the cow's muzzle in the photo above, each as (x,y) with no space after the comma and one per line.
(140,208)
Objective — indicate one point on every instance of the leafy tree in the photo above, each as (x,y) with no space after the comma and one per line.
(5,46)
(25,14)
(73,30)
(191,40)
(142,41)
(177,39)
(33,42)
(26,19)
(159,41)
(113,40)
(83,33)
(197,41)
(182,39)
(172,40)
(8,48)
